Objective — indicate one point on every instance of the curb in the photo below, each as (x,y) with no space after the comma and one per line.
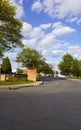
(12,87)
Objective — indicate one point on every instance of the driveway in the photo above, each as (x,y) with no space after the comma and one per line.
(55,105)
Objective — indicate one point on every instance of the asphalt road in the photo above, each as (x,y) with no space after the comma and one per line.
(55,105)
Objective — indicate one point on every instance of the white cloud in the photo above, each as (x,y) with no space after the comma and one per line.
(26,29)
(57,29)
(75,50)
(48,7)
(20,2)
(38,38)
(72,19)
(74,47)
(37,6)
(11,55)
(44,52)
(60,29)
(45,26)
(37,32)
(47,40)
(55,64)
(79,21)
(30,43)
(32,32)
(20,9)
(60,8)
(57,24)
(57,53)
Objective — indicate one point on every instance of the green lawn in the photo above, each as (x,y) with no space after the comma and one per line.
(13,82)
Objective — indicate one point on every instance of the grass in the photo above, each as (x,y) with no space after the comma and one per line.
(14,82)
(76,78)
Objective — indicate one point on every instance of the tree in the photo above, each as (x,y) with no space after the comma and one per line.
(30,58)
(76,67)
(6,65)
(45,68)
(66,65)
(19,71)
(70,65)
(10,27)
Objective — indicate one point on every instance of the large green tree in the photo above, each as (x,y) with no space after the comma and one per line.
(45,68)
(6,65)
(76,67)
(10,27)
(66,65)
(70,65)
(30,58)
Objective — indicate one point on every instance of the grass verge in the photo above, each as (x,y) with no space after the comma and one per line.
(14,82)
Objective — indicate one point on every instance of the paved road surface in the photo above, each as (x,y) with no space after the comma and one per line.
(55,105)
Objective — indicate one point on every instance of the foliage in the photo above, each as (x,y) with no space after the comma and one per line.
(66,64)
(38,79)
(10,27)
(45,68)
(6,65)
(30,58)
(19,71)
(76,67)
(70,65)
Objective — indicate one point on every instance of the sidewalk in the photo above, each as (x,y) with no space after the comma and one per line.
(11,87)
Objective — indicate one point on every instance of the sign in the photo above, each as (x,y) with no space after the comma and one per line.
(2,77)
(31,74)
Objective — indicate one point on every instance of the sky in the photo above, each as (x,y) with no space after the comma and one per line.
(52,27)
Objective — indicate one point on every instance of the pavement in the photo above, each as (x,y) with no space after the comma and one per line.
(56,105)
(17,86)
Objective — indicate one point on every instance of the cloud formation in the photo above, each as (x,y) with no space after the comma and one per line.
(19,8)
(47,43)
(59,8)
(37,6)
(60,29)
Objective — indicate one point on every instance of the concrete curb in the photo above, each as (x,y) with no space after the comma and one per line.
(12,87)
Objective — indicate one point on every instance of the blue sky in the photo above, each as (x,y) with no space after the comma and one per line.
(53,27)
